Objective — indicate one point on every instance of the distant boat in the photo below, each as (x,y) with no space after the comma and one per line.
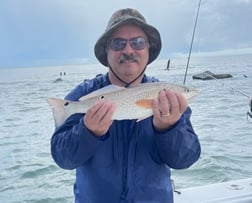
(207,75)
(239,191)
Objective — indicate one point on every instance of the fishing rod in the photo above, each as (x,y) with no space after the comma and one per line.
(249,113)
(194,29)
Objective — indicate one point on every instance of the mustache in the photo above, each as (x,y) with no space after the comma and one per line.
(128,57)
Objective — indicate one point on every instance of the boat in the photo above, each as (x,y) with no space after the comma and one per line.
(237,191)
(208,75)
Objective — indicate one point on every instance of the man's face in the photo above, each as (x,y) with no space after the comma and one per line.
(128,68)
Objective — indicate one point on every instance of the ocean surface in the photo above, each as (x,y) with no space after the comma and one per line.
(27,171)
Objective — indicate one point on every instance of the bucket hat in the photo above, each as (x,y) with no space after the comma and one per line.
(128,16)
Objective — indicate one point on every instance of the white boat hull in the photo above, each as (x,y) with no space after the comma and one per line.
(239,191)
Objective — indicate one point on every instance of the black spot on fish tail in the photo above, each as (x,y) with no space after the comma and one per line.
(187,90)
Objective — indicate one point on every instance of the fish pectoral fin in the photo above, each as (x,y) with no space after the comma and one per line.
(144,103)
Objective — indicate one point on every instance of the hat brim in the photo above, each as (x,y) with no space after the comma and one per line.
(152,33)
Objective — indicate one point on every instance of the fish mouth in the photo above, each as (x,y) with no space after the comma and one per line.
(128,58)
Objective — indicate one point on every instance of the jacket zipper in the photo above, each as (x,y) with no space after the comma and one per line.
(125,168)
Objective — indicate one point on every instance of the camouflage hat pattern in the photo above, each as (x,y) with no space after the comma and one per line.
(128,16)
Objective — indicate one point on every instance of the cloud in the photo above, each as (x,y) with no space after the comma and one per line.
(62,30)
(224,25)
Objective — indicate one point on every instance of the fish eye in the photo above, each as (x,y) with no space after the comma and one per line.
(66,104)
(102,97)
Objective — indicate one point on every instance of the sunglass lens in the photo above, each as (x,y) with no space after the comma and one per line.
(118,44)
(137,43)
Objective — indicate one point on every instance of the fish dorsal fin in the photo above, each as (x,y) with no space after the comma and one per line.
(105,90)
(144,103)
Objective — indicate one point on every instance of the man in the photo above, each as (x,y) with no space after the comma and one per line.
(126,161)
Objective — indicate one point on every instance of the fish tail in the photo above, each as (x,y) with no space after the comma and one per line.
(59,111)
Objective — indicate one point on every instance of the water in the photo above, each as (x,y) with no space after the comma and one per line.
(27,171)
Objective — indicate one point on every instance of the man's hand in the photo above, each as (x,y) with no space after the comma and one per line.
(167,109)
(98,118)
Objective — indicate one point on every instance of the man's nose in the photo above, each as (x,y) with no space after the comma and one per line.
(128,48)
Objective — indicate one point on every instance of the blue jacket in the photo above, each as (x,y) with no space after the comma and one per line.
(131,163)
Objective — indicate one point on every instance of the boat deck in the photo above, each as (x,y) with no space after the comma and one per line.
(239,191)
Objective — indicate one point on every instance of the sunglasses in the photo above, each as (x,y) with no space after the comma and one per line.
(136,43)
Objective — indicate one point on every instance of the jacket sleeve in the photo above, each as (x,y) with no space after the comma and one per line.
(72,143)
(179,146)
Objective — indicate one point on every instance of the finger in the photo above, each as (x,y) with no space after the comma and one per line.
(101,112)
(155,108)
(182,102)
(94,109)
(164,104)
(173,101)
(108,110)
(99,117)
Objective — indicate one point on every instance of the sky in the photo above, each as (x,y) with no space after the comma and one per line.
(58,32)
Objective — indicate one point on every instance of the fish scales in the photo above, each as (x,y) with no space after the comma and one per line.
(131,103)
